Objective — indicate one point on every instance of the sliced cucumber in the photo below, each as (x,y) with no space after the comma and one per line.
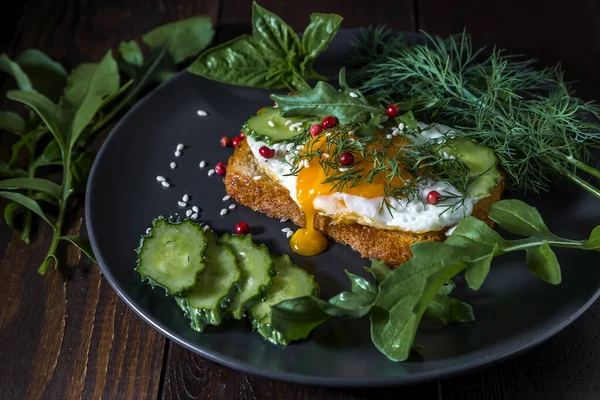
(206,302)
(270,127)
(289,283)
(172,255)
(255,264)
(481,161)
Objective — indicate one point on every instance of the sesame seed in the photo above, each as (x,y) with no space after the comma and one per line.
(165,184)
(300,147)
(291,128)
(342,169)
(160,178)
(384,118)
(401,126)
(202,113)
(289,146)
(350,132)
(271,124)
(173,165)
(388,136)
(298,129)
(227,197)
(179,147)
(177,153)
(289,234)
(232,206)
(297,124)
(223,212)
(211,172)
(257,177)
(202,164)
(195,216)
(352,94)
(305,163)
(285,230)
(195,209)
(182,203)
(188,213)
(283,220)
(288,122)
(185,197)
(325,155)
(206,227)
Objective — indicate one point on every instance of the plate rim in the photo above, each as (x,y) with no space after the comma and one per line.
(245,367)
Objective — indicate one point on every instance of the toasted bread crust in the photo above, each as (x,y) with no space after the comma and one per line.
(269,197)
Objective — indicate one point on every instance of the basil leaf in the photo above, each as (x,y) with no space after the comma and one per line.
(46,75)
(82,244)
(11,122)
(593,243)
(324,100)
(27,203)
(13,69)
(272,34)
(7,171)
(86,87)
(316,38)
(379,270)
(542,262)
(519,218)
(39,184)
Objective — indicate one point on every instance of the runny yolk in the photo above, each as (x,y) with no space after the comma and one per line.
(310,183)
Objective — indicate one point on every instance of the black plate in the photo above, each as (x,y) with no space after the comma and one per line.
(514,310)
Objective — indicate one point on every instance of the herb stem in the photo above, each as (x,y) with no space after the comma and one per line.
(524,244)
(578,164)
(582,183)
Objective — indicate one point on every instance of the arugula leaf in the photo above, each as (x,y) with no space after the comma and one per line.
(478,270)
(379,270)
(324,100)
(46,75)
(27,203)
(593,243)
(13,69)
(519,218)
(446,309)
(82,244)
(542,262)
(316,38)
(39,184)
(362,293)
(11,122)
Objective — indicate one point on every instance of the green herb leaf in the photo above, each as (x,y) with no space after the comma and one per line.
(272,34)
(379,270)
(46,75)
(447,310)
(50,156)
(11,122)
(9,214)
(81,167)
(542,262)
(519,218)
(13,69)
(362,294)
(86,87)
(478,271)
(131,57)
(324,100)
(7,171)
(593,243)
(316,38)
(39,184)
(27,203)
(82,244)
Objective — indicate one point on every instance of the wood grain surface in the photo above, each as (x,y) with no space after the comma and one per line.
(67,334)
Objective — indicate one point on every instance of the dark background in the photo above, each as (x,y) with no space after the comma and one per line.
(67,335)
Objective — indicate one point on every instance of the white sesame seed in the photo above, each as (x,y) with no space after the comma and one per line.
(351,140)
(283,220)
(173,165)
(352,94)
(291,128)
(257,177)
(288,122)
(202,113)
(182,203)
(325,155)
(271,124)
(285,230)
(298,129)
(160,178)
(202,164)
(384,118)
(188,213)
(289,146)
(179,147)
(223,212)
(350,132)
(342,169)
(300,147)
(211,172)
(165,184)
(388,136)
(195,216)
(232,206)
(195,209)
(227,197)
(177,153)
(206,227)
(185,197)
(289,234)
(401,126)
(297,124)
(305,163)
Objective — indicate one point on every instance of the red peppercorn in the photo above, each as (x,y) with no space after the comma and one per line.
(241,135)
(220,168)
(242,228)
(392,110)
(316,129)
(266,152)
(346,159)
(434,197)
(328,122)
(225,142)
(236,140)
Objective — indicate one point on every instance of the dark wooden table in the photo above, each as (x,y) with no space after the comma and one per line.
(67,334)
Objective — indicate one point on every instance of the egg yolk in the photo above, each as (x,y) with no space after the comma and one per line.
(311,183)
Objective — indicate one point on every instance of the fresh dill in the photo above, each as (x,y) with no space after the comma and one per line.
(530,119)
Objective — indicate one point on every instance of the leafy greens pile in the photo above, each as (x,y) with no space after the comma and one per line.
(495,102)
(65,110)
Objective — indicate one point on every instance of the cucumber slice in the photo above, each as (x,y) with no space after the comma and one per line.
(207,301)
(255,264)
(258,126)
(289,283)
(481,161)
(171,255)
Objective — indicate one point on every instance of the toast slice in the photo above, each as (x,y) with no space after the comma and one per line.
(269,197)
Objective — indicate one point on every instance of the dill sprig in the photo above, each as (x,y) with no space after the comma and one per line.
(530,119)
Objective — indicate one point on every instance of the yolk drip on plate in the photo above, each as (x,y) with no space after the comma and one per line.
(311,183)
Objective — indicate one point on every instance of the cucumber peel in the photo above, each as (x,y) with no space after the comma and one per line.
(270,127)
